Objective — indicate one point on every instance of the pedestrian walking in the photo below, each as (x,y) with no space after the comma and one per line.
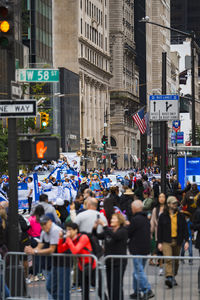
(138,245)
(172,231)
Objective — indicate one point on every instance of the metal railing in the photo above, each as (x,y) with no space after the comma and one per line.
(123,276)
(67,276)
(53,277)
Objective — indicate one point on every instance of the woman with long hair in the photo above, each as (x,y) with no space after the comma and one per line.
(115,244)
(156,212)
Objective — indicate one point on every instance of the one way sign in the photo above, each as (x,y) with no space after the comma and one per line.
(164,107)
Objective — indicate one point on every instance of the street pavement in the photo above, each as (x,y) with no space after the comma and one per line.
(187,288)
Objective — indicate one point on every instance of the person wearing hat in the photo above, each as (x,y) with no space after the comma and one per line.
(56,270)
(84,185)
(61,210)
(172,231)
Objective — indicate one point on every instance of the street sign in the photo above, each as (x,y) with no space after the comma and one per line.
(180,137)
(16,90)
(173,138)
(176,125)
(164,107)
(37,75)
(17,109)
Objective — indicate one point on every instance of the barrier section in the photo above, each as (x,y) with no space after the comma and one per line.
(144,277)
(53,277)
(2,280)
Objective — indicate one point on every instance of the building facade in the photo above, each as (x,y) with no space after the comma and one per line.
(37,31)
(124,96)
(81,44)
(158,41)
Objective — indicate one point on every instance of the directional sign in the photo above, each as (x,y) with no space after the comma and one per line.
(37,75)
(17,108)
(164,107)
(16,90)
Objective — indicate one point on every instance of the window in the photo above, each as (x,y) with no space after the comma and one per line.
(81,50)
(80,4)
(105,21)
(90,9)
(106,40)
(81,26)
(88,33)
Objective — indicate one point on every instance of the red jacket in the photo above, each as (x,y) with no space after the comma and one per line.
(80,245)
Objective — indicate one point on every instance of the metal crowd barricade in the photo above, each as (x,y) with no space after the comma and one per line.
(2,279)
(118,271)
(53,277)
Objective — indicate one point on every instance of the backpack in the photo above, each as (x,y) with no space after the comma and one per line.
(97,249)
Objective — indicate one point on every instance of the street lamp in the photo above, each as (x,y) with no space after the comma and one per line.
(192,37)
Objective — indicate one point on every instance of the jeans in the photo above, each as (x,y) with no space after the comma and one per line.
(58,283)
(47,275)
(140,281)
(189,249)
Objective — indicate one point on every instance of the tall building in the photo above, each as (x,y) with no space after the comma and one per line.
(37,31)
(124,96)
(158,41)
(185,16)
(81,45)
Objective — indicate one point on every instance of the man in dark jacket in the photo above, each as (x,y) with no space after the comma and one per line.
(189,199)
(172,231)
(139,244)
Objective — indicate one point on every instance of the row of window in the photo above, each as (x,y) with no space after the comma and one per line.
(94,36)
(93,57)
(94,12)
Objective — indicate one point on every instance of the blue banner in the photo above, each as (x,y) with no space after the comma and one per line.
(22,195)
(36,187)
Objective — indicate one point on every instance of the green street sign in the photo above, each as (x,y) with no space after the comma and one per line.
(37,75)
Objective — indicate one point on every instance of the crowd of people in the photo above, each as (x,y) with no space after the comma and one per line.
(134,217)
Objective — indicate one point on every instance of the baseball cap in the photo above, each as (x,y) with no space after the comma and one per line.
(44,219)
(171,200)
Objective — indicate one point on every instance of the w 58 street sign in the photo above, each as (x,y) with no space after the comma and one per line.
(37,75)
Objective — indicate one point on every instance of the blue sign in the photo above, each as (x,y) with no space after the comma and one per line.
(180,137)
(192,170)
(164,97)
(176,125)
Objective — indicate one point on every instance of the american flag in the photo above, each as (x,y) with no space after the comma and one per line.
(140,120)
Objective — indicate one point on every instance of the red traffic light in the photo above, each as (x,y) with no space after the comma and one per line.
(3,12)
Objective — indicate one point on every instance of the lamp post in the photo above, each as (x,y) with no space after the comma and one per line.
(192,37)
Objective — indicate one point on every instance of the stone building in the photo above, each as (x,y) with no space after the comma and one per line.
(158,41)
(81,44)
(124,95)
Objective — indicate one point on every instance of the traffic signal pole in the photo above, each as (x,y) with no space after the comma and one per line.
(85,156)
(163,127)
(13,243)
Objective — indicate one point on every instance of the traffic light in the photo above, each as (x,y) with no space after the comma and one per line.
(44,117)
(87,143)
(104,140)
(43,148)
(6,26)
